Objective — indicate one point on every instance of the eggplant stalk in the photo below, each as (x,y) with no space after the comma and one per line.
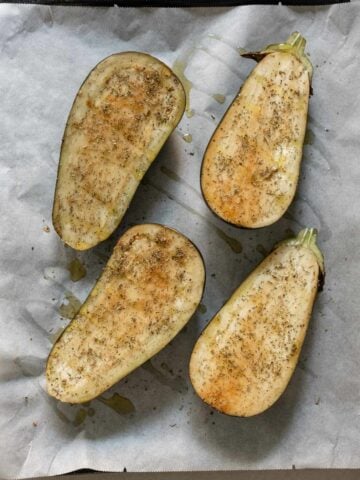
(295,45)
(307,238)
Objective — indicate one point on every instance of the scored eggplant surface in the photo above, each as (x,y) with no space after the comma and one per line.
(251,166)
(148,291)
(245,357)
(122,115)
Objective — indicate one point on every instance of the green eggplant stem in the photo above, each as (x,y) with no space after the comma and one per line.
(307,238)
(294,45)
(297,41)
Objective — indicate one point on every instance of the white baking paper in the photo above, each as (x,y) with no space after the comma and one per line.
(45,55)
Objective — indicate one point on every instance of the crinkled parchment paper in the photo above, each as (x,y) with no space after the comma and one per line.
(45,55)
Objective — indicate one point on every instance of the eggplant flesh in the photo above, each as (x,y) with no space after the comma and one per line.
(245,357)
(122,115)
(251,166)
(149,289)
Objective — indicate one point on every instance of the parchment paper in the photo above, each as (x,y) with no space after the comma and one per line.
(45,55)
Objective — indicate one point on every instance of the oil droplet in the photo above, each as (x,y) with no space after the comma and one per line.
(80,417)
(202,308)
(309,137)
(261,249)
(70,309)
(54,336)
(179,68)
(77,270)
(119,404)
(187,137)
(219,97)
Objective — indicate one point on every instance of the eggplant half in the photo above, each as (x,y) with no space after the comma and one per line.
(245,357)
(149,289)
(251,166)
(122,115)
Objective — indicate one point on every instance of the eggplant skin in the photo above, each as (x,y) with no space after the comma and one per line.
(245,357)
(122,115)
(251,166)
(148,291)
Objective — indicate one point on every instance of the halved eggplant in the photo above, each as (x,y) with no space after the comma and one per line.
(148,291)
(122,115)
(245,357)
(251,166)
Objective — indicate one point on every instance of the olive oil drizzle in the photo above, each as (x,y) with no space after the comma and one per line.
(69,310)
(219,97)
(121,405)
(179,68)
(187,137)
(76,269)
(81,416)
